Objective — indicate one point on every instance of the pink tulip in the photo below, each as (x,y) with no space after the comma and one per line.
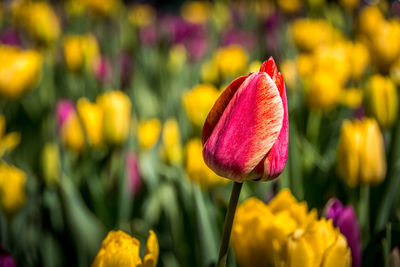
(245,135)
(63,110)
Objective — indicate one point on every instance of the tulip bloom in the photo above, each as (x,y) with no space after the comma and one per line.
(345,219)
(120,249)
(246,132)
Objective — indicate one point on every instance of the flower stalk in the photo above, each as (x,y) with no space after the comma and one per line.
(226,233)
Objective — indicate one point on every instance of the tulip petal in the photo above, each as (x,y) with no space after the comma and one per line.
(247,129)
(219,107)
(275,160)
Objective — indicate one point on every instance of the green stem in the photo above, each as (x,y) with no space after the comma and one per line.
(364,212)
(226,234)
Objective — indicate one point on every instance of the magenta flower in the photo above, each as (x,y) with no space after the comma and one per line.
(6,260)
(132,172)
(245,135)
(63,110)
(103,70)
(345,219)
(10,37)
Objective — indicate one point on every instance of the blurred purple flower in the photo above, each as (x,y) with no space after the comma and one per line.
(132,170)
(192,36)
(148,36)
(126,68)
(345,219)
(10,37)
(6,260)
(359,112)
(272,28)
(103,70)
(63,110)
(245,39)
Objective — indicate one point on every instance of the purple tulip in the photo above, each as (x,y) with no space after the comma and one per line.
(63,110)
(127,68)
(192,36)
(148,36)
(10,37)
(132,170)
(345,219)
(245,39)
(6,260)
(103,70)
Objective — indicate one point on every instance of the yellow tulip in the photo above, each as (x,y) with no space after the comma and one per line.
(290,6)
(50,163)
(117,116)
(309,34)
(260,231)
(7,141)
(361,153)
(171,150)
(12,188)
(197,170)
(209,72)
(385,47)
(351,98)
(91,115)
(349,5)
(197,12)
(20,71)
(319,244)
(289,73)
(72,134)
(382,103)
(149,133)
(81,51)
(231,61)
(198,102)
(254,66)
(142,15)
(39,19)
(120,249)
(358,58)
(101,7)
(177,58)
(370,20)
(324,92)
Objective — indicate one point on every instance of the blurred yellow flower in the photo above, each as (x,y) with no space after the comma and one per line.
(91,115)
(319,244)
(74,7)
(260,231)
(72,133)
(209,72)
(80,51)
(385,45)
(117,116)
(290,6)
(197,12)
(370,20)
(254,66)
(39,19)
(50,162)
(351,97)
(20,70)
(289,72)
(221,15)
(361,153)
(148,133)
(309,34)
(177,58)
(171,149)
(231,61)
(12,188)
(7,141)
(382,100)
(199,101)
(101,7)
(395,72)
(324,92)
(358,58)
(349,5)
(142,15)
(120,249)
(305,65)
(196,169)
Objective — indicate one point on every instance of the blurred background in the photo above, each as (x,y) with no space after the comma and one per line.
(102,105)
